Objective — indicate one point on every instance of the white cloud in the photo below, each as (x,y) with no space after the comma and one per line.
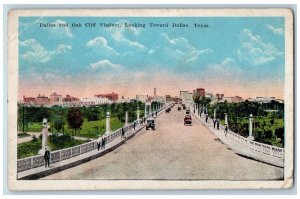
(104,64)
(255,51)
(35,52)
(180,48)
(277,31)
(118,34)
(58,31)
(102,43)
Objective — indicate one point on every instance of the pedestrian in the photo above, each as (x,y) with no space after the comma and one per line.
(206,117)
(200,113)
(156,113)
(225,129)
(98,143)
(47,157)
(194,111)
(123,133)
(134,125)
(218,124)
(103,142)
(214,123)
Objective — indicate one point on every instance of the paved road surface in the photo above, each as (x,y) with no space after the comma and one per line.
(173,151)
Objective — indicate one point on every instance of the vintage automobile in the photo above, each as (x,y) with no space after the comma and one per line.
(150,124)
(188,120)
(183,107)
(168,110)
(188,111)
(179,108)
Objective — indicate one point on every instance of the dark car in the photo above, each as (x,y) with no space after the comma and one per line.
(183,107)
(150,124)
(179,108)
(188,120)
(187,111)
(168,110)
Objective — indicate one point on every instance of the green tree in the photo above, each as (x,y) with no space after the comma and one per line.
(75,119)
(58,124)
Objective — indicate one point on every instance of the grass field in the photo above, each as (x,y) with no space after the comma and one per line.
(31,148)
(89,129)
(93,129)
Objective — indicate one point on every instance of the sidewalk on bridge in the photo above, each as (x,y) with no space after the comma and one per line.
(74,161)
(40,172)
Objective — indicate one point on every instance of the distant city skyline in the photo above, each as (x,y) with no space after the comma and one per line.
(232,55)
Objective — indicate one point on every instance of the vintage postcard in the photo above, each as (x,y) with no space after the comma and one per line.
(118,99)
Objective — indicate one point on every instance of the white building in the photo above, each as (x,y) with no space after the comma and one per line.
(262,99)
(141,98)
(209,95)
(186,97)
(160,99)
(90,101)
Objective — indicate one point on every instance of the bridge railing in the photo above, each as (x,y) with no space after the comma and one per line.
(241,145)
(63,154)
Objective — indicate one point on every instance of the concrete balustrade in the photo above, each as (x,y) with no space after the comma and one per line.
(247,147)
(63,154)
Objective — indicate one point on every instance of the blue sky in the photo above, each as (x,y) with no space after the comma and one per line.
(234,55)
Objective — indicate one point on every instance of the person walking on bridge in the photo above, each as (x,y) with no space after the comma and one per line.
(225,129)
(134,125)
(47,157)
(215,121)
(98,143)
(123,133)
(103,142)
(218,124)
(206,117)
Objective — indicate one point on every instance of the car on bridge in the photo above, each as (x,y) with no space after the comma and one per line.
(150,124)
(188,112)
(188,120)
(168,110)
(179,108)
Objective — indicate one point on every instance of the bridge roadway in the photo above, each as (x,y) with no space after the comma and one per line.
(173,151)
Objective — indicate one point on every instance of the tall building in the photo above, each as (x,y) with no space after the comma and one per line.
(69,98)
(219,96)
(55,98)
(41,100)
(200,92)
(111,96)
(169,98)
(28,100)
(141,98)
(186,97)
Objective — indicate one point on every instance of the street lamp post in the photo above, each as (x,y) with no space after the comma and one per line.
(250,127)
(138,113)
(226,120)
(107,123)
(126,118)
(44,136)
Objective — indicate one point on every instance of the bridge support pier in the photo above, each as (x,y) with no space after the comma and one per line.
(250,127)
(108,130)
